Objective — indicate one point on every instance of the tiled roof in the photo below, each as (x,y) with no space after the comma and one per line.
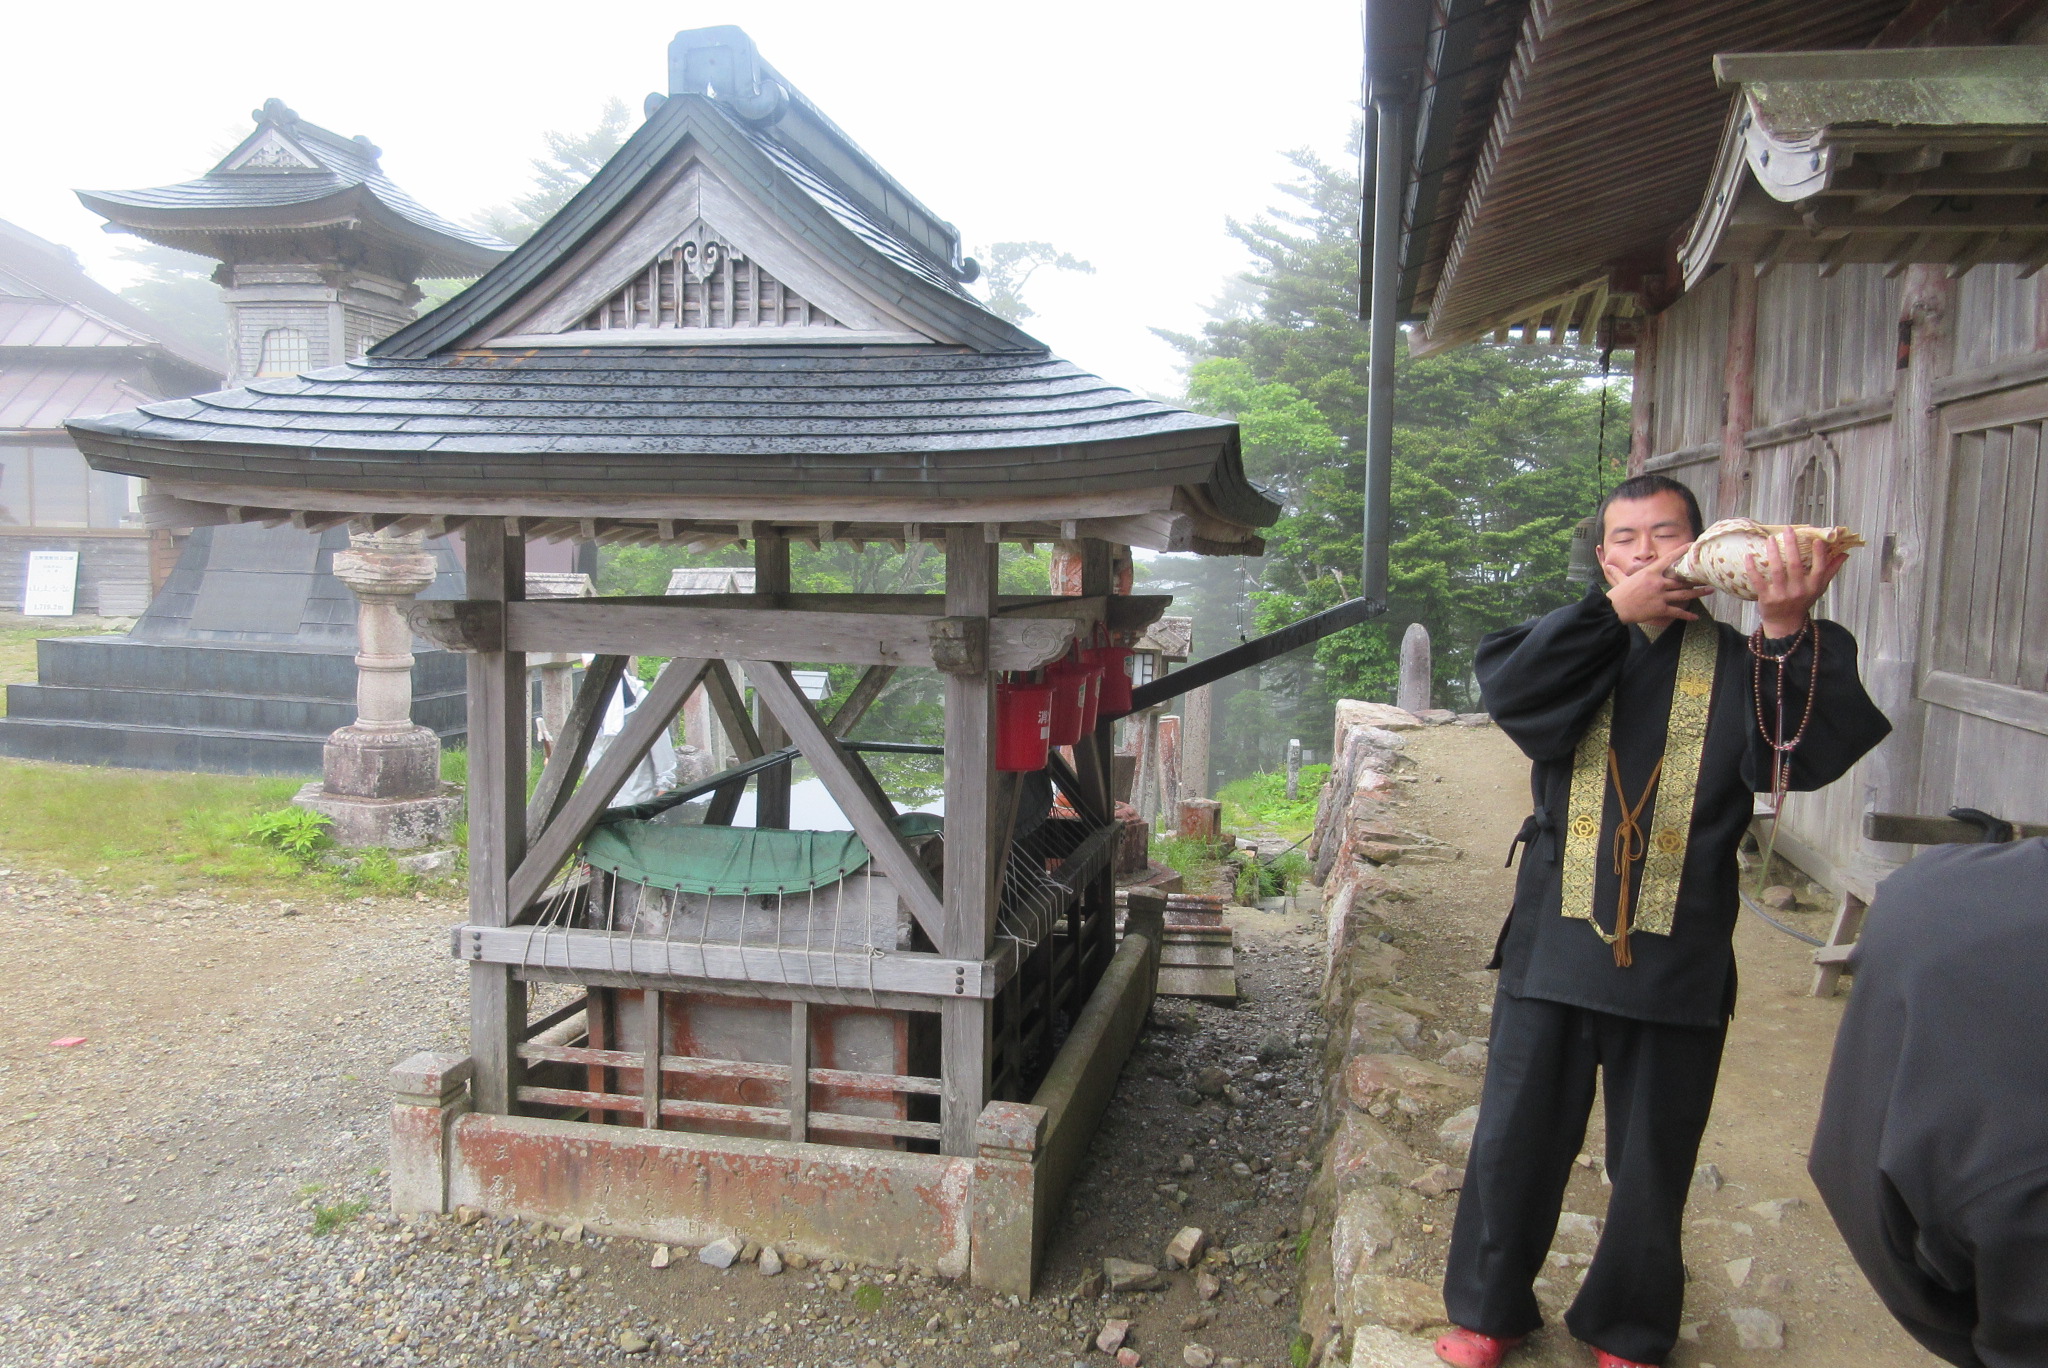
(223,198)
(663,420)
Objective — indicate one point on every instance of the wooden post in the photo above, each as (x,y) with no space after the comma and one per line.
(1642,412)
(496,571)
(1891,659)
(799,1096)
(650,1071)
(771,789)
(1095,915)
(968,926)
(1738,383)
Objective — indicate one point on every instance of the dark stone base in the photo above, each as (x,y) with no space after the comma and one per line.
(228,709)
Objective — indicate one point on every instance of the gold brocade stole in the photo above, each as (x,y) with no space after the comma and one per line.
(1669,822)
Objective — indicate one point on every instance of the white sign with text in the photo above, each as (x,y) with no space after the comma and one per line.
(52,585)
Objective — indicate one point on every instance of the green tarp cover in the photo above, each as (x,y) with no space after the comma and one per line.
(723,859)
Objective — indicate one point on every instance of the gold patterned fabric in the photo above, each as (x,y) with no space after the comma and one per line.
(1669,822)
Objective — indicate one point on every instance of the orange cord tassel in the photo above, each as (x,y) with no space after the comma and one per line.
(1629,844)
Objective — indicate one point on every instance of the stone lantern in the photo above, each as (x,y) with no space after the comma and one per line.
(382,784)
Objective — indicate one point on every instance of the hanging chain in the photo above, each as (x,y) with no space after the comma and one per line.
(1781,745)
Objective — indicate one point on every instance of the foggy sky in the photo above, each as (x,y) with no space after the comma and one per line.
(1123,131)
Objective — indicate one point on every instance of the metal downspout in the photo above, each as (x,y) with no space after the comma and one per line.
(1389,122)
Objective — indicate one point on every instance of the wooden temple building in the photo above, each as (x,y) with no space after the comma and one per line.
(245,657)
(1819,227)
(69,348)
(880,1046)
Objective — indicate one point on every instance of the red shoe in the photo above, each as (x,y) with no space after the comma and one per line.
(1464,1348)
(1603,1359)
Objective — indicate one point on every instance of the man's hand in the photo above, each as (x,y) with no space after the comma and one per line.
(1787,585)
(1652,595)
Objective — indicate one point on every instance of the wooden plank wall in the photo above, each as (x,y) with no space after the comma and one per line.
(1996,315)
(1686,384)
(1821,345)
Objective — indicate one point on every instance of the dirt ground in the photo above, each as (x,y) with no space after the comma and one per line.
(199,1184)
(1745,1247)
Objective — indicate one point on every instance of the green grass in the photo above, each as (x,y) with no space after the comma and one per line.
(18,652)
(126,831)
(1195,861)
(1277,877)
(1259,801)
(328,1219)
(868,1297)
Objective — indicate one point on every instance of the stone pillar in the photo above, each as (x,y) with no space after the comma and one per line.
(1293,768)
(1006,1228)
(1414,691)
(1194,742)
(428,1093)
(382,773)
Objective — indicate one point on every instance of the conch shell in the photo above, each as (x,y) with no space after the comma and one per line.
(1720,555)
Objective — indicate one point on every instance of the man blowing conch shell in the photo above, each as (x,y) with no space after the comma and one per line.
(1650,727)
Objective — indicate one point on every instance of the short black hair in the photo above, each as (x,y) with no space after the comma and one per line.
(1643,487)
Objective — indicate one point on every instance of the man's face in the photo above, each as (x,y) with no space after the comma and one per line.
(1640,530)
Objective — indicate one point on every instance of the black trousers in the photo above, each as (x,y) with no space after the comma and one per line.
(1532,1121)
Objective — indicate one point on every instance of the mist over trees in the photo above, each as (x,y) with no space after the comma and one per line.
(1496,456)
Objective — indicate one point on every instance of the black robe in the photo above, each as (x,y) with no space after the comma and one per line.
(1930,1149)
(1543,681)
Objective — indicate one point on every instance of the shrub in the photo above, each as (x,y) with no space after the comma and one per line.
(298,832)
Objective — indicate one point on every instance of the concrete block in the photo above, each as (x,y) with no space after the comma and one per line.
(430,1091)
(863,1206)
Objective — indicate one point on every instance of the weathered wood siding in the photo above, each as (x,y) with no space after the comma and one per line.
(1823,343)
(1829,349)
(1996,317)
(1685,387)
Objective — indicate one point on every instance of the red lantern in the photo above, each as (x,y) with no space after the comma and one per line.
(1023,726)
(1069,680)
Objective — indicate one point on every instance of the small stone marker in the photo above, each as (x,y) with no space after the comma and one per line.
(1186,1247)
(721,1253)
(1413,694)
(1293,769)
(1111,1337)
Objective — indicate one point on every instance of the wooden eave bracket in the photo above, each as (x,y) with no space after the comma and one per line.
(960,645)
(470,625)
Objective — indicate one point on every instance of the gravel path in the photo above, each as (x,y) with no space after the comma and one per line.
(199,1184)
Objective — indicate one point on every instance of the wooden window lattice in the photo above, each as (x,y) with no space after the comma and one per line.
(734,292)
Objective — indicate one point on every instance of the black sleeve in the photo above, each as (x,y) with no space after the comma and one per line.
(1845,724)
(2005,1235)
(1543,680)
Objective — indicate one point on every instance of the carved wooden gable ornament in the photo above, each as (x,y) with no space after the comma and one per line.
(695,259)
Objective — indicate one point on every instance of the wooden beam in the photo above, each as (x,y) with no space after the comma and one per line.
(852,788)
(650,1066)
(565,766)
(731,708)
(869,688)
(496,566)
(586,806)
(968,931)
(772,583)
(682,625)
